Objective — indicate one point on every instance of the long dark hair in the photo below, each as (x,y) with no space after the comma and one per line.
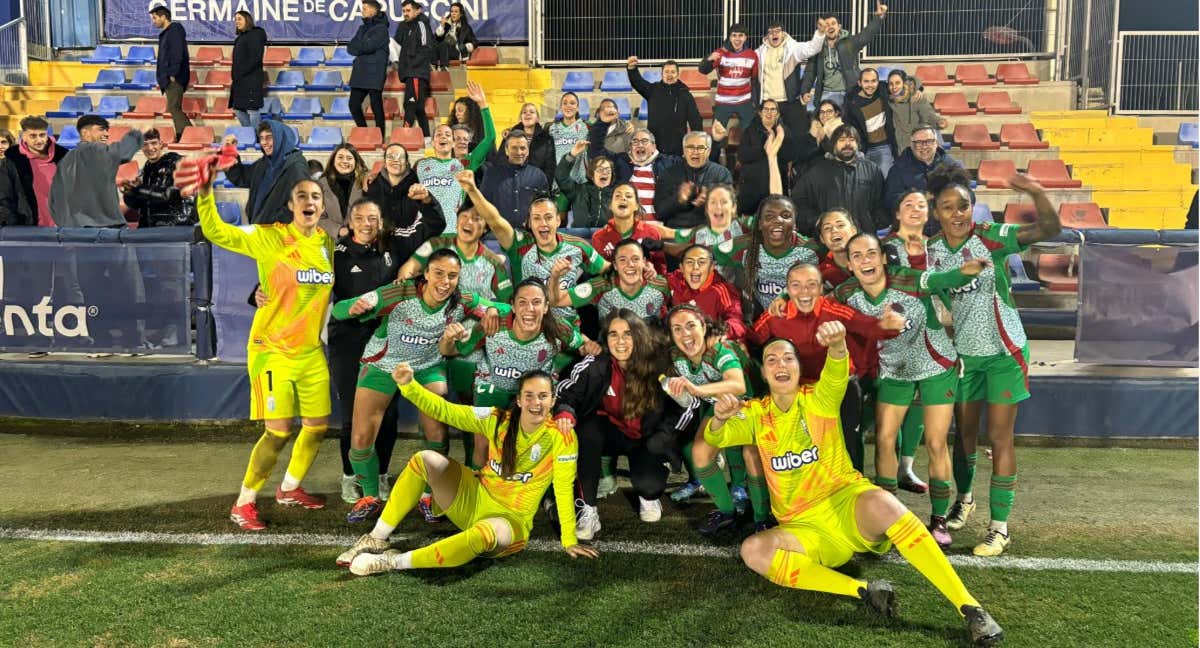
(249,20)
(895,228)
(474,118)
(645,364)
(462,13)
(449,254)
(551,329)
(508,446)
(611,275)
(750,261)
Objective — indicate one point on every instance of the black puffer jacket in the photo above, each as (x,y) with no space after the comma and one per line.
(358,269)
(369,47)
(246,91)
(829,183)
(156,197)
(672,109)
(14,207)
(415,39)
(756,177)
(406,225)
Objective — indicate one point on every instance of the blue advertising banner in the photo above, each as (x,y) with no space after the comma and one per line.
(95,297)
(306,21)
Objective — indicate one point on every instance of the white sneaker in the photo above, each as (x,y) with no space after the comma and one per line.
(606,486)
(367,564)
(350,490)
(385,486)
(588,523)
(366,544)
(649,510)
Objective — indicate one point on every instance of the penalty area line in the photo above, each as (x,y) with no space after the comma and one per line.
(547,546)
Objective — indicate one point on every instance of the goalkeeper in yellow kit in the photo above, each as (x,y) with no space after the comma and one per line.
(827,511)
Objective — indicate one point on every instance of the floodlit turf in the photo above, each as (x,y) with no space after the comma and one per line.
(1107,504)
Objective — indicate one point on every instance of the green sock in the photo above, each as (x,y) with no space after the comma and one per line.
(912,431)
(1000,496)
(760,497)
(964,469)
(713,480)
(886,483)
(939,496)
(468,440)
(737,466)
(366,468)
(606,466)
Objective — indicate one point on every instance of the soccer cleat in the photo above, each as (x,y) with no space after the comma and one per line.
(298,497)
(649,510)
(994,544)
(912,484)
(741,499)
(385,486)
(366,543)
(350,490)
(716,523)
(587,521)
(606,487)
(984,629)
(937,529)
(686,491)
(959,512)
(364,509)
(879,596)
(246,516)
(426,506)
(367,564)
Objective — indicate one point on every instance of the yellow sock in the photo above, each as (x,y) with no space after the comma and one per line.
(263,458)
(304,451)
(458,549)
(406,490)
(913,542)
(798,571)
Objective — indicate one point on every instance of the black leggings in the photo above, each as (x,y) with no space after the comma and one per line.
(416,91)
(445,50)
(852,416)
(356,100)
(598,437)
(343,369)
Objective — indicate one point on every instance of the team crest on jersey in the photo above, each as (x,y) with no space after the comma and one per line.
(535,452)
(584,290)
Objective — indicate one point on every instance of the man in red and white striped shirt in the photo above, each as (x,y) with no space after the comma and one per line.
(737,78)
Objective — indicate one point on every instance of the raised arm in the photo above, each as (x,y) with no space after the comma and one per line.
(827,394)
(640,85)
(726,428)
(503,230)
(484,148)
(1046,225)
(463,417)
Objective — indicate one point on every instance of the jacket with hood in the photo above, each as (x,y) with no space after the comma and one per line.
(793,54)
(270,178)
(246,90)
(673,111)
(737,75)
(173,59)
(18,157)
(907,114)
(848,46)
(542,153)
(852,114)
(406,225)
(415,39)
(156,197)
(511,187)
(856,186)
(84,191)
(14,207)
(666,192)
(589,203)
(369,47)
(908,172)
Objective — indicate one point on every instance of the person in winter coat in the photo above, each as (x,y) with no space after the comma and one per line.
(83,193)
(640,167)
(779,59)
(680,192)
(909,109)
(541,145)
(455,37)
(755,176)
(369,47)
(845,179)
(173,65)
(154,194)
(246,90)
(415,39)
(616,131)
(868,111)
(511,183)
(737,78)
(909,172)
(672,108)
(35,159)
(833,70)
(410,215)
(270,178)
(342,183)
(14,208)
(589,199)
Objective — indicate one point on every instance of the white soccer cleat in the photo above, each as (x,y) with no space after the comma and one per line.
(649,510)
(367,564)
(366,544)
(587,523)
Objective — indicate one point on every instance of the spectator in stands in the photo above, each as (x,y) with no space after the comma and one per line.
(566,130)
(845,179)
(83,193)
(909,109)
(270,178)
(837,59)
(680,192)
(369,47)
(410,215)
(474,155)
(35,160)
(778,58)
(672,108)
(15,208)
(616,131)
(541,145)
(415,39)
(6,140)
(342,183)
(914,164)
(455,37)
(590,199)
(465,111)
(510,183)
(246,91)
(829,117)
(153,193)
(641,166)
(174,66)
(737,78)
(755,176)
(867,109)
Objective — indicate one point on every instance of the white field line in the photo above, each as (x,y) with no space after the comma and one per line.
(619,547)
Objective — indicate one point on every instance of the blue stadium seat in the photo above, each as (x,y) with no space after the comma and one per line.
(72,106)
(288,80)
(616,81)
(326,80)
(884,71)
(981,213)
(585,110)
(323,138)
(303,108)
(104,55)
(1189,135)
(579,82)
(644,110)
(69,138)
(339,110)
(651,76)
(142,80)
(623,109)
(222,181)
(112,106)
(309,57)
(230,212)
(340,57)
(245,136)
(272,107)
(1020,278)
(138,55)
(106,79)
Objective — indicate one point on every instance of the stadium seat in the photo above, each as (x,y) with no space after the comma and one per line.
(1189,134)
(309,57)
(1015,74)
(222,182)
(695,81)
(229,212)
(439,81)
(409,137)
(933,75)
(974,137)
(996,103)
(245,135)
(579,82)
(303,108)
(616,81)
(952,103)
(368,138)
(138,55)
(277,56)
(1058,272)
(431,108)
(1020,279)
(325,81)
(1021,136)
(104,55)
(1052,174)
(393,82)
(623,109)
(652,76)
(391,108)
(112,105)
(106,79)
(215,80)
(209,55)
(340,58)
(194,138)
(219,110)
(127,171)
(142,80)
(1085,215)
(643,110)
(287,80)
(1020,213)
(376,168)
(973,74)
(322,138)
(272,107)
(484,57)
(117,132)
(585,110)
(704,105)
(981,213)
(72,106)
(68,138)
(995,173)
(338,110)
(193,107)
(165,133)
(884,70)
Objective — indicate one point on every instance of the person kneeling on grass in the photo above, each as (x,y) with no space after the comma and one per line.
(827,511)
(494,507)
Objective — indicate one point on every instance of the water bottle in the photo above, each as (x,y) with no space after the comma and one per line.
(685,399)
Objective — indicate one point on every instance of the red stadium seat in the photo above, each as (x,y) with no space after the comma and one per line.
(933,75)
(974,137)
(147,108)
(391,108)
(995,173)
(209,55)
(997,103)
(393,82)
(439,81)
(973,74)
(277,56)
(377,168)
(484,57)
(409,137)
(704,105)
(219,110)
(193,107)
(952,103)
(1015,74)
(194,138)
(165,133)
(127,171)
(366,138)
(431,108)
(1020,213)
(1058,272)
(215,80)
(1021,136)
(115,132)
(1052,174)
(694,80)
(1082,216)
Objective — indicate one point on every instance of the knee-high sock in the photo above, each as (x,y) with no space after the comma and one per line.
(888,484)
(737,466)
(304,451)
(797,571)
(366,468)
(964,470)
(912,431)
(606,466)
(760,497)
(263,457)
(1000,496)
(939,497)
(406,490)
(713,480)
(913,542)
(459,549)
